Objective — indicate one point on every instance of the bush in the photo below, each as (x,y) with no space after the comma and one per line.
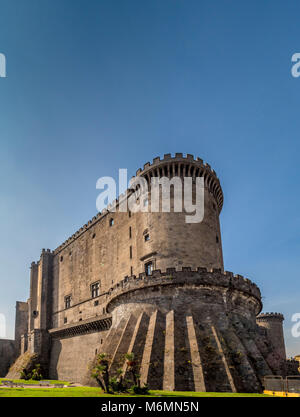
(138,390)
(101,371)
(36,373)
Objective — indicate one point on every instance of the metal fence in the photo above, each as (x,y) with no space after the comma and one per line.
(277,383)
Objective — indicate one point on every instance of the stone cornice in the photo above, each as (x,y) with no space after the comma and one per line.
(95,324)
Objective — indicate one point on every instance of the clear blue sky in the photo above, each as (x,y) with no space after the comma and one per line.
(98,85)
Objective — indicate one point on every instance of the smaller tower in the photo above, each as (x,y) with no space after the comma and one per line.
(272,322)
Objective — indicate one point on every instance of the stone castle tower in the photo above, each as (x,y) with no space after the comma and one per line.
(151,284)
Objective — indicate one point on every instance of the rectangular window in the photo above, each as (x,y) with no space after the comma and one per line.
(131,271)
(130,252)
(68,301)
(95,289)
(130,232)
(147,237)
(149,268)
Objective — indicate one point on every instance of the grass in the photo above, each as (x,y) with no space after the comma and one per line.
(96,392)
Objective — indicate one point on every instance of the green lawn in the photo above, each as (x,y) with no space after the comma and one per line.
(96,392)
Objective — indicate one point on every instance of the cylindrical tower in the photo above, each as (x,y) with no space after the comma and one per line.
(173,241)
(272,322)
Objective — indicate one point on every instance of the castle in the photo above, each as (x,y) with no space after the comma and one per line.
(151,284)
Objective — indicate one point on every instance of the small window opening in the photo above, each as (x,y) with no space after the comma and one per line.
(130,252)
(67,301)
(111,222)
(149,268)
(95,289)
(147,237)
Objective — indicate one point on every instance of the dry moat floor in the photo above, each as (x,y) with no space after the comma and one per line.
(69,391)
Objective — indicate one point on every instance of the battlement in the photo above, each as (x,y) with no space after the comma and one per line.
(184,166)
(186,276)
(270,316)
(168,158)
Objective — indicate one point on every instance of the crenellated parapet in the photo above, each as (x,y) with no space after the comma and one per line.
(202,277)
(264,317)
(183,166)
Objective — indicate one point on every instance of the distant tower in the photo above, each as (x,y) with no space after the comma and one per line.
(272,322)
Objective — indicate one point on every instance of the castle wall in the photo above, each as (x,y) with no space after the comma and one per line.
(70,357)
(7,355)
(173,316)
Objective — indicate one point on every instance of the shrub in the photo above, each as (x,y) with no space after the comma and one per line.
(101,372)
(138,390)
(36,373)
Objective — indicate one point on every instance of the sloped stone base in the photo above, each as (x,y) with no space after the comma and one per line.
(190,331)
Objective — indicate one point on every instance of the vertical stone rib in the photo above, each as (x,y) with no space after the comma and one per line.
(107,339)
(195,356)
(133,339)
(122,346)
(169,372)
(144,370)
(229,376)
(252,348)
